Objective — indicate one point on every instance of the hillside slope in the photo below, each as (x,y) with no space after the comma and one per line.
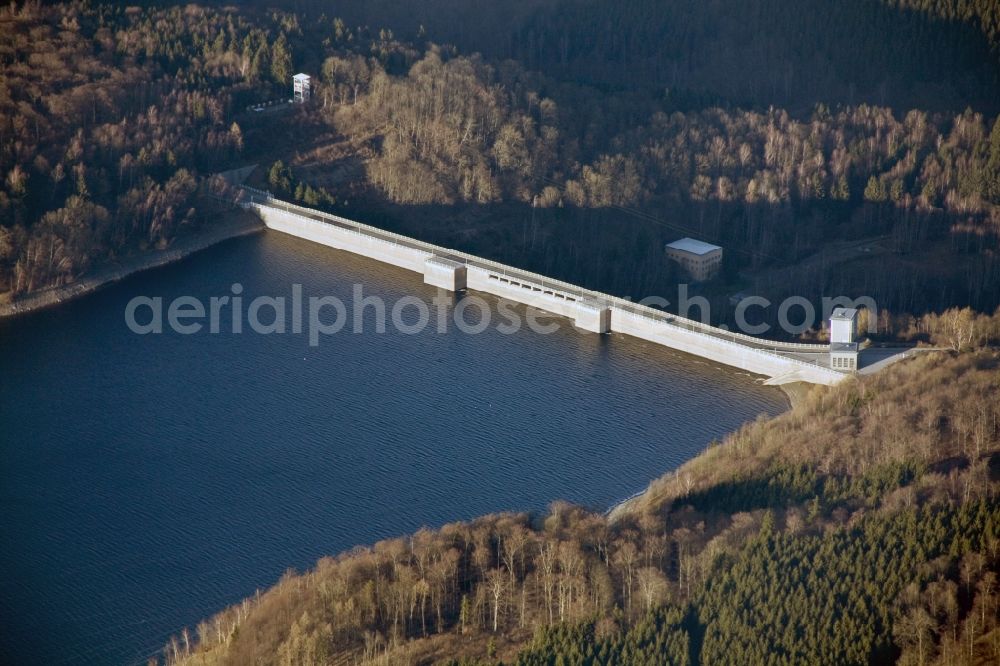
(862,526)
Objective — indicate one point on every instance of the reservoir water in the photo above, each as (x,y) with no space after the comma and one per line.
(147,481)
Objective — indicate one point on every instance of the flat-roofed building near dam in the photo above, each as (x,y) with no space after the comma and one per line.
(596,312)
(699,259)
(843,345)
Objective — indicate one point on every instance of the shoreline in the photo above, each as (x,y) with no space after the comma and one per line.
(794,392)
(240,224)
(232,226)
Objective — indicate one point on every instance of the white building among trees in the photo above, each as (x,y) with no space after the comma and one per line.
(301,88)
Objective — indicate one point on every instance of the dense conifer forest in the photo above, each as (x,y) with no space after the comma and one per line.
(861,527)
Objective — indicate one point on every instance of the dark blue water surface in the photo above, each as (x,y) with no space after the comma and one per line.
(148,481)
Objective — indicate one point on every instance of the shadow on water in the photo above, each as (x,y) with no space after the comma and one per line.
(148,481)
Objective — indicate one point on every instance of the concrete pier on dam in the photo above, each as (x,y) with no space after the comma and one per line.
(780,362)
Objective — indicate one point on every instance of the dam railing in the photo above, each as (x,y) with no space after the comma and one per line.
(260,197)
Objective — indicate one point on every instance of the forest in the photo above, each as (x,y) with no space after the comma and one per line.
(573,141)
(860,527)
(847,147)
(107,117)
(605,177)
(932,54)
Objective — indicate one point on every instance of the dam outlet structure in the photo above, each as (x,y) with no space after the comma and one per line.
(592,311)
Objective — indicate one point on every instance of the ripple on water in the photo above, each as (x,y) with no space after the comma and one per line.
(148,481)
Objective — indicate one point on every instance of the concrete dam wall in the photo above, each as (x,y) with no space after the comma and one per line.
(590,310)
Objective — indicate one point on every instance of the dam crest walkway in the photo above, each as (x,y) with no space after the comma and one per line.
(780,362)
